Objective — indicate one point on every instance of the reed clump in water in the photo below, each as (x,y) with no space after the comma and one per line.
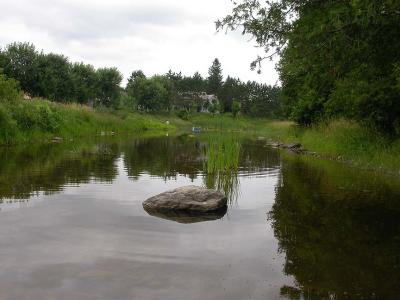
(221,164)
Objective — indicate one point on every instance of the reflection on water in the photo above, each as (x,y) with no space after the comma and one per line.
(48,168)
(187,217)
(338,229)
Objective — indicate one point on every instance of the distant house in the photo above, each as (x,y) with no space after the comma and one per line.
(199,102)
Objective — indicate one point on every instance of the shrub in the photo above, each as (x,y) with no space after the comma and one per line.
(8,89)
(49,120)
(183,114)
(8,126)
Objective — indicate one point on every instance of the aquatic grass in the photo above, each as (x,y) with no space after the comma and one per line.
(222,153)
(221,164)
(335,139)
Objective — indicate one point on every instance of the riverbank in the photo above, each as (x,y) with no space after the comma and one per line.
(41,120)
(337,140)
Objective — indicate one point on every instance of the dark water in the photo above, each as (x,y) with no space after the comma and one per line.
(72,225)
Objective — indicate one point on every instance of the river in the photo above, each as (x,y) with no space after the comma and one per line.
(72,224)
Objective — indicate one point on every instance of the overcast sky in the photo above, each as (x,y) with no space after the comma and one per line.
(152,35)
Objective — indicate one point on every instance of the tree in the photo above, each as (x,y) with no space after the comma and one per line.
(21,63)
(108,89)
(198,83)
(215,77)
(153,94)
(265,101)
(338,58)
(134,80)
(3,60)
(84,81)
(231,89)
(53,77)
(135,74)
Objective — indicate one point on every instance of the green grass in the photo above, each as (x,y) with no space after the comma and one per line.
(41,120)
(222,153)
(339,139)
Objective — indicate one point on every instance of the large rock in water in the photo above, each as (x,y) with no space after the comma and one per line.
(187,204)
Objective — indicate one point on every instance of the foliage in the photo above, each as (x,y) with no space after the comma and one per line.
(151,94)
(8,89)
(327,218)
(214,80)
(338,58)
(264,101)
(183,114)
(21,63)
(29,121)
(108,81)
(231,89)
(83,83)
(8,126)
(222,153)
(53,77)
(235,108)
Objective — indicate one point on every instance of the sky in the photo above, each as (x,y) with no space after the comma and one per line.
(152,35)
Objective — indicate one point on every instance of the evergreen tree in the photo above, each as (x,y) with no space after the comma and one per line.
(215,77)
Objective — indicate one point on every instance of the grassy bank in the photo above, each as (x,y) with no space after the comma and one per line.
(339,140)
(40,120)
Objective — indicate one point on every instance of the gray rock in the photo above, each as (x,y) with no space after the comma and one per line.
(187,199)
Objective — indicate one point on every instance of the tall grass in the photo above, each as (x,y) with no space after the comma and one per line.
(221,164)
(337,139)
(38,120)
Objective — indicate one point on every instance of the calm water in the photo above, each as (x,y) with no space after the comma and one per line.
(72,225)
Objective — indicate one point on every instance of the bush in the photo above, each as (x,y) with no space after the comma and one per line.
(8,126)
(49,120)
(8,89)
(183,114)
(235,107)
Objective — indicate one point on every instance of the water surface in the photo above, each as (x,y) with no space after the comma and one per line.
(72,224)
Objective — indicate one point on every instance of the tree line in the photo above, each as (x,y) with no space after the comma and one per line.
(54,77)
(338,59)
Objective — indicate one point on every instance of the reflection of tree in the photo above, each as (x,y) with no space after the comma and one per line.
(48,167)
(340,240)
(24,170)
(163,156)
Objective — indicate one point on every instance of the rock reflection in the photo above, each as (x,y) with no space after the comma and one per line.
(186,217)
(339,230)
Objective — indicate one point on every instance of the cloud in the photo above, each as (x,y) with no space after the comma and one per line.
(152,35)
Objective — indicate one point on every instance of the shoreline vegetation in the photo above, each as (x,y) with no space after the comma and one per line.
(339,140)
(38,120)
(47,98)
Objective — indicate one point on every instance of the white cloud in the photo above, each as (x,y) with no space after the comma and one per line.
(152,35)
